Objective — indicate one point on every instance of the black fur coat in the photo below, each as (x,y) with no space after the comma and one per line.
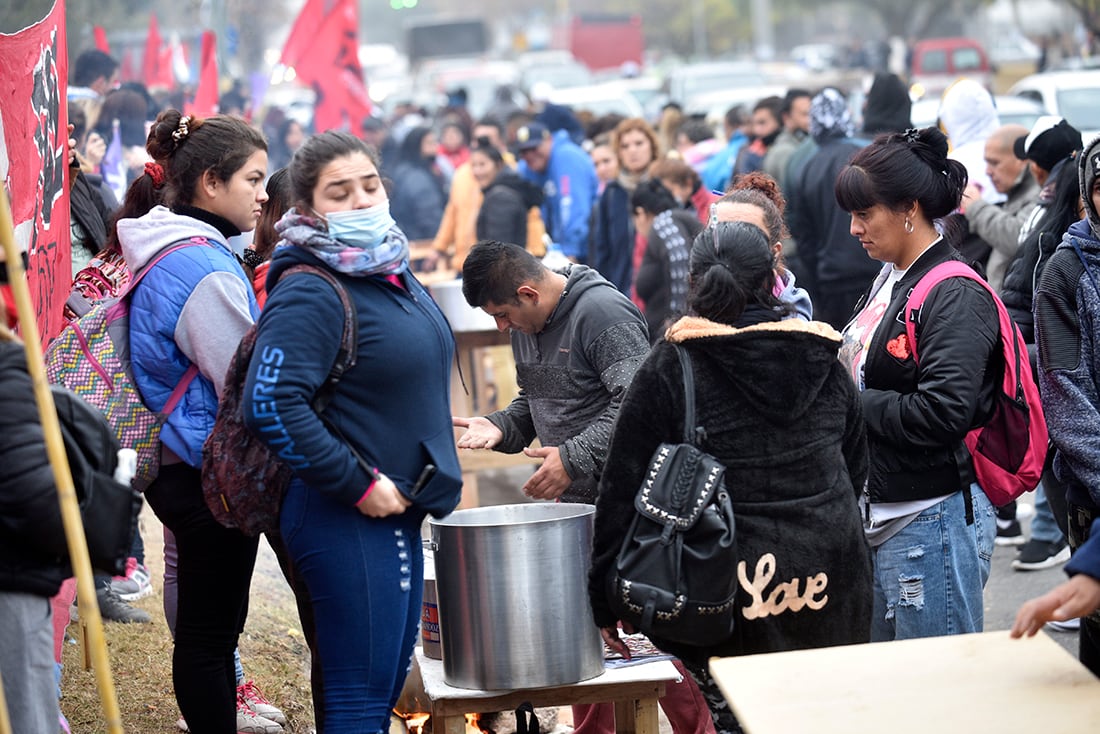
(784,417)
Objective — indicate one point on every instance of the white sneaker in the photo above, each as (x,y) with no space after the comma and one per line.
(1069,625)
(249,695)
(248,722)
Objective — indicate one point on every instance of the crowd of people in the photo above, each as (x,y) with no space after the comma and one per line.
(779,252)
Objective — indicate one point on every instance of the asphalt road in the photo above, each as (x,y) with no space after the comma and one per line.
(1006,590)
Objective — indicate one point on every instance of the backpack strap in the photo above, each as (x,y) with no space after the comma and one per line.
(692,432)
(161,254)
(348,352)
(1008,328)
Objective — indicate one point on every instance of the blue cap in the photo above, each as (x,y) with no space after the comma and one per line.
(530,135)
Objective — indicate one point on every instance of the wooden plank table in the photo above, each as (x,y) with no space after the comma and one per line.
(633,689)
(965,683)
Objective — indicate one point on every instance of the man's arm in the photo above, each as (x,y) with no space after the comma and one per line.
(996,225)
(616,355)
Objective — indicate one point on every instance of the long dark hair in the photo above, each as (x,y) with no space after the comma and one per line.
(316,153)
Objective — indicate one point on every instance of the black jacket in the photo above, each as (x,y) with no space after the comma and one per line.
(33,552)
(830,256)
(89,212)
(917,416)
(669,238)
(503,214)
(783,416)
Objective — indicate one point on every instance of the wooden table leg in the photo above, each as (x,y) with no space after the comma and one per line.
(451,724)
(637,717)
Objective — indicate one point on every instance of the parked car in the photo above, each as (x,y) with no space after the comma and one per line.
(692,80)
(938,62)
(1012,110)
(599,99)
(715,104)
(1075,95)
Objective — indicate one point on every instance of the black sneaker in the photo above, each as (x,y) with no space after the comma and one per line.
(1009,533)
(1036,555)
(113,609)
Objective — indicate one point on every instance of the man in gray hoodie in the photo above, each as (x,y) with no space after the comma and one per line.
(577,342)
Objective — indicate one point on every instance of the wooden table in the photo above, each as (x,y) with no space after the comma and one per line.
(634,691)
(966,683)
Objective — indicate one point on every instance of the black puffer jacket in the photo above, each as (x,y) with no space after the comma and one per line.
(783,416)
(917,416)
(33,553)
(503,214)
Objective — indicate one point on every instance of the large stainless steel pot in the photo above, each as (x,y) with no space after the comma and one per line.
(463,317)
(512,583)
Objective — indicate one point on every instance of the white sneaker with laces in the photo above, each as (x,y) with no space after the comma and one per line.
(251,696)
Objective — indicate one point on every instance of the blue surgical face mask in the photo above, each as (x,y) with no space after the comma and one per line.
(362,228)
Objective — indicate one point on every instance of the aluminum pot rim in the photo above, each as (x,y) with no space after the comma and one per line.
(568,511)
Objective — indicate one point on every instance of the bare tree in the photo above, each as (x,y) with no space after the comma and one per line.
(1089,11)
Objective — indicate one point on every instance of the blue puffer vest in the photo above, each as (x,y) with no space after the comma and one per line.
(158,363)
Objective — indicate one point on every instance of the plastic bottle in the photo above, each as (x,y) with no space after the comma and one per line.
(126,467)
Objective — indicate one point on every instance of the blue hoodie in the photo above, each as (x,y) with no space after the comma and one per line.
(392,406)
(570,185)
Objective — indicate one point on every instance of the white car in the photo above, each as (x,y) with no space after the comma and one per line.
(1074,95)
(599,99)
(1010,109)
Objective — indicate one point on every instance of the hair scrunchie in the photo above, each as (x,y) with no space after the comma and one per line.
(155,172)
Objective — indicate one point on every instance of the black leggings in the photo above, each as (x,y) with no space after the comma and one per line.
(215,571)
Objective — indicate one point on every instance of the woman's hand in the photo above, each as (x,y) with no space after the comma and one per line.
(615,643)
(384,500)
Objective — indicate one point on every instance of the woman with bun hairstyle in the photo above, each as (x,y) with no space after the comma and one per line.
(187,318)
(755,198)
(778,409)
(930,526)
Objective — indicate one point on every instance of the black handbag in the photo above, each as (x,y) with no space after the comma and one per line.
(675,576)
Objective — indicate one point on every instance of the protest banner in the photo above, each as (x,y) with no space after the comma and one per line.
(33,160)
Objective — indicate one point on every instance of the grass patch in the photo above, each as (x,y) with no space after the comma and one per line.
(273,652)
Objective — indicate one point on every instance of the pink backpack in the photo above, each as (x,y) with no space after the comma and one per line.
(1010,449)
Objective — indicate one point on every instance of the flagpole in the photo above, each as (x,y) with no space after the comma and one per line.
(55,450)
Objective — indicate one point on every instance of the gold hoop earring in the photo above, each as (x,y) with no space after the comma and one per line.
(908,226)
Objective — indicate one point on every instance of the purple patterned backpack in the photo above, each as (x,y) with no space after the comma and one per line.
(91,357)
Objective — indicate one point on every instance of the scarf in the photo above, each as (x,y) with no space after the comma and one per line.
(390,257)
(829,116)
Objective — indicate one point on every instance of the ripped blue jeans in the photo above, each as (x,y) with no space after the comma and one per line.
(928,579)
(365,578)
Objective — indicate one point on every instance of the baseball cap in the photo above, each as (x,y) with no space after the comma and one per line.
(529,136)
(1051,139)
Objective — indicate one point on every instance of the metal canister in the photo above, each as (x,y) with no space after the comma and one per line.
(512,583)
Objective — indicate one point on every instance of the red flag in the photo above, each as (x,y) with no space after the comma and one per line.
(154,71)
(33,160)
(101,39)
(205,102)
(126,70)
(304,32)
(330,64)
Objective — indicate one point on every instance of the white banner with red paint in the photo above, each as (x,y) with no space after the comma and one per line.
(33,136)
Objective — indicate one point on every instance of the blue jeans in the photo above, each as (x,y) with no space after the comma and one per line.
(928,579)
(365,578)
(1043,526)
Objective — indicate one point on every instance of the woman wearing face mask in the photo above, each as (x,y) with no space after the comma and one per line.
(635,145)
(350,518)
